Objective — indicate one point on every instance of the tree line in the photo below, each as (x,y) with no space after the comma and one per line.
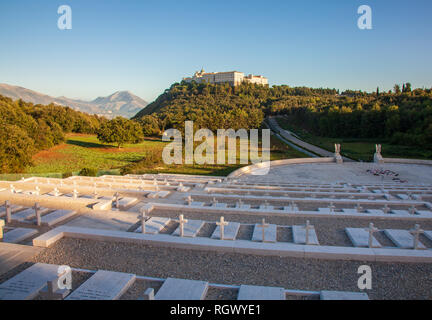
(27,128)
(401,116)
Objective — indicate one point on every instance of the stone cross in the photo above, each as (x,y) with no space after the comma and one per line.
(143,219)
(37,190)
(266,204)
(154,182)
(307,228)
(416,232)
(56,192)
(189,200)
(412,209)
(378,149)
(239,203)
(95,194)
(38,215)
(386,209)
(75,194)
(2,223)
(359,208)
(214,201)
(371,231)
(264,225)
(332,207)
(116,199)
(293,206)
(56,289)
(12,188)
(8,211)
(182,221)
(222,223)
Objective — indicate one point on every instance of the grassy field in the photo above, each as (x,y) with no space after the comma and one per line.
(357,149)
(82,151)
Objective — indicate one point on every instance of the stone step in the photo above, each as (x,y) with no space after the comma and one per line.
(126,202)
(260,293)
(19,234)
(26,214)
(270,233)
(180,289)
(103,285)
(230,231)
(360,238)
(219,205)
(401,212)
(299,235)
(154,225)
(402,238)
(57,217)
(190,229)
(13,208)
(375,211)
(27,284)
(341,295)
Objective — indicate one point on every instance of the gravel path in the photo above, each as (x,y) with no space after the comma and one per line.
(390,280)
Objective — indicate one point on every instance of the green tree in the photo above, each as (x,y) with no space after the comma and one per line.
(120,131)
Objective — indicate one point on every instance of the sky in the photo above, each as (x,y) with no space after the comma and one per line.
(144,46)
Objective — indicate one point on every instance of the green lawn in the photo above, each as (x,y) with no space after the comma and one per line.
(81,151)
(357,149)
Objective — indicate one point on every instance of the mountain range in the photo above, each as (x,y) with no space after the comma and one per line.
(120,103)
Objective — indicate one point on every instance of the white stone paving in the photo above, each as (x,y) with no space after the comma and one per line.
(269,235)
(230,231)
(299,235)
(402,238)
(154,225)
(360,238)
(247,292)
(103,285)
(181,289)
(27,284)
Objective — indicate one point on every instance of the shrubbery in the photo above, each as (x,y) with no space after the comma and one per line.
(89,172)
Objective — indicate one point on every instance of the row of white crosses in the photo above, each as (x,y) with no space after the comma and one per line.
(416,232)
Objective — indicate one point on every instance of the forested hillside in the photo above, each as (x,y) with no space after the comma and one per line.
(402,116)
(28,128)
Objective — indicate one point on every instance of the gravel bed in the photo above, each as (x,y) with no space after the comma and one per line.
(245,232)
(207,230)
(221,294)
(390,280)
(136,291)
(330,230)
(284,234)
(78,278)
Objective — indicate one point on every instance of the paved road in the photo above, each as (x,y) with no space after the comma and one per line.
(307,146)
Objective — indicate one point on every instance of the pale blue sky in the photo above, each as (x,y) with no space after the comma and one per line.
(145,46)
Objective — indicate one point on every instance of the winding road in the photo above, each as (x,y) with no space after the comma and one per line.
(302,146)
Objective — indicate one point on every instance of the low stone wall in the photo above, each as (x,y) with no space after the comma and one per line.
(408,161)
(251,168)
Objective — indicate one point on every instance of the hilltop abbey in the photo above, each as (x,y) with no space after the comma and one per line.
(234,78)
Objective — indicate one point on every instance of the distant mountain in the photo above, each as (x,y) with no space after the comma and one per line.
(121,103)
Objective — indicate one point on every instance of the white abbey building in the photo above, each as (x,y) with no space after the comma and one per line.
(234,78)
